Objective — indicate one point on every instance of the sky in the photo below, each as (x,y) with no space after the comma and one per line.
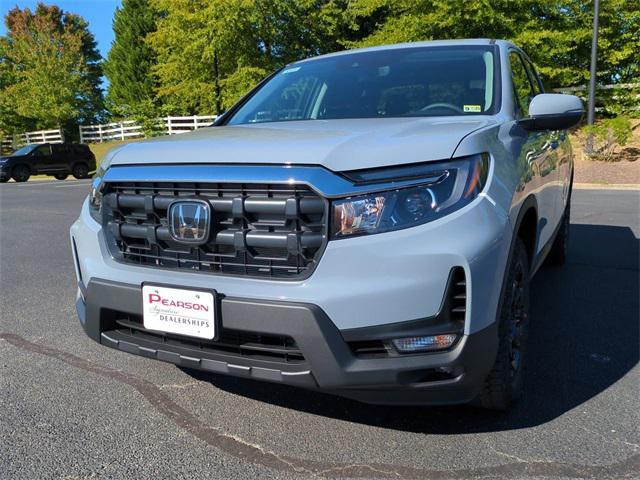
(98,13)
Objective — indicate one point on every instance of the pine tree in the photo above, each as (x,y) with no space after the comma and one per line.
(129,62)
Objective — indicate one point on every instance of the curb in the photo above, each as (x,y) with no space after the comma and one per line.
(611,186)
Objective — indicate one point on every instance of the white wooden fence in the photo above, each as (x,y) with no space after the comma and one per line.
(12,142)
(583,88)
(110,131)
(583,93)
(128,128)
(186,124)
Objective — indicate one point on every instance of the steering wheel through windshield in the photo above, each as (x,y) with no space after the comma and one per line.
(449,106)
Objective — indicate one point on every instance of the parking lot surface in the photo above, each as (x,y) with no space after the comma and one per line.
(70,408)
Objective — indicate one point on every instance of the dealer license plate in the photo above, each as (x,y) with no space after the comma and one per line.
(175,310)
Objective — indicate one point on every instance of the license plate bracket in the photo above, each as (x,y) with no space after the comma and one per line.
(182,311)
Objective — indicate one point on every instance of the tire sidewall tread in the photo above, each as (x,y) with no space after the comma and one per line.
(500,390)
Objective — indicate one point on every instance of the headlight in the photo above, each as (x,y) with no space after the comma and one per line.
(447,186)
(95,195)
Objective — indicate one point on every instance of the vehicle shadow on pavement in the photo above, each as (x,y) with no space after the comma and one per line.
(584,338)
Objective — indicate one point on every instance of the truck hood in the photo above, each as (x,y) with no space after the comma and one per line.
(335,144)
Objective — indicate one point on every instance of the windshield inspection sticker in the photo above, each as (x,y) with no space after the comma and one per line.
(472,108)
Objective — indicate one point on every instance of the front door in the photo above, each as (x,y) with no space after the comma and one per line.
(538,154)
(42,158)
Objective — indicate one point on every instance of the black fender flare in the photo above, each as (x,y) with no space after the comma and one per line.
(528,203)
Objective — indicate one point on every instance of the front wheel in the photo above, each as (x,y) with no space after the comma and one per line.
(504,383)
(21,173)
(80,171)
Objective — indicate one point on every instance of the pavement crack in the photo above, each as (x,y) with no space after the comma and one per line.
(178,386)
(611,441)
(510,456)
(264,451)
(359,467)
(254,453)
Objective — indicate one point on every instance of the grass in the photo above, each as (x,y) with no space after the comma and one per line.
(100,149)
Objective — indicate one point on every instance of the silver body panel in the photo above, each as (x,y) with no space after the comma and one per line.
(337,145)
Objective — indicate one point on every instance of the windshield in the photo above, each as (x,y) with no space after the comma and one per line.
(405,82)
(24,150)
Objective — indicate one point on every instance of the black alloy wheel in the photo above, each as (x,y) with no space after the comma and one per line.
(80,171)
(21,173)
(504,384)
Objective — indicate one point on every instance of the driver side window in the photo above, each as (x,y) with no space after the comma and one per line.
(523,90)
(43,151)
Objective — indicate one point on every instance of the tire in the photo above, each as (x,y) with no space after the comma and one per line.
(4,179)
(558,253)
(504,384)
(21,173)
(61,176)
(80,170)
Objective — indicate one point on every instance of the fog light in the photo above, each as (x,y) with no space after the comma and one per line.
(424,344)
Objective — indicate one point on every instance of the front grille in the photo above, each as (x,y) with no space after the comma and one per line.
(232,343)
(263,230)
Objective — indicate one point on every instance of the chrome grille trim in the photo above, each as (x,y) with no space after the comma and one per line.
(324,182)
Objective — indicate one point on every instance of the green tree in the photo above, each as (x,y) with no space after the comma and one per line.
(399,21)
(282,31)
(555,33)
(92,106)
(194,45)
(129,62)
(212,52)
(9,121)
(50,70)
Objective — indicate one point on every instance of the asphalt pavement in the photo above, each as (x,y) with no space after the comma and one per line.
(72,409)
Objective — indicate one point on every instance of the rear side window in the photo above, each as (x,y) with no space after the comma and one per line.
(523,89)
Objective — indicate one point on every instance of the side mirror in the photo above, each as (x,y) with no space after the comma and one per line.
(553,111)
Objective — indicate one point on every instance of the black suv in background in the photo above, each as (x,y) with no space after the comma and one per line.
(56,159)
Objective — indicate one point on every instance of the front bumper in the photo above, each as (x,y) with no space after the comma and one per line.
(329,364)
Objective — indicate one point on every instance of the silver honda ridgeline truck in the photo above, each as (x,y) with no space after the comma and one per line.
(365,223)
